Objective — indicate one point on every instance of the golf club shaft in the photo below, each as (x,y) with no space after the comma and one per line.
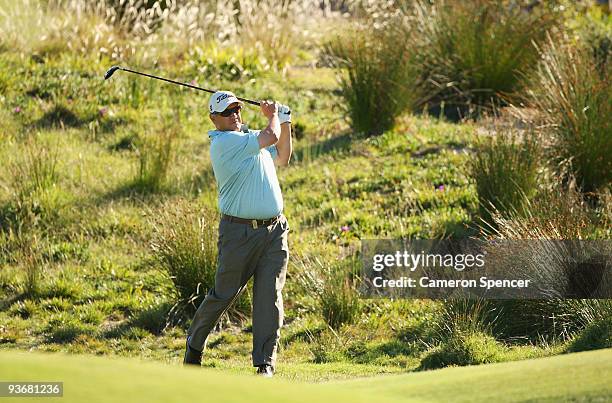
(183,84)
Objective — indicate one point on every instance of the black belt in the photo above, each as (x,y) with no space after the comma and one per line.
(252,222)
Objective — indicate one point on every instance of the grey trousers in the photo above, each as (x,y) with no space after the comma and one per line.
(246,252)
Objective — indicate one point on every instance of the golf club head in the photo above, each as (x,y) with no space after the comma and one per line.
(110,72)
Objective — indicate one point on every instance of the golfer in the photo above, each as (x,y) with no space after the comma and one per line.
(252,231)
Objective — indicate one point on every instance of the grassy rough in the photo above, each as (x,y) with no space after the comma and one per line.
(595,336)
(572,93)
(464,349)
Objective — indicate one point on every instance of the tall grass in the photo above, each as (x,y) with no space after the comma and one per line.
(471,54)
(504,168)
(32,263)
(155,155)
(159,31)
(571,90)
(184,244)
(557,213)
(375,71)
(520,321)
(334,287)
(35,197)
(278,30)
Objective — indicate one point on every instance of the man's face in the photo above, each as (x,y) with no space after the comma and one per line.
(233,122)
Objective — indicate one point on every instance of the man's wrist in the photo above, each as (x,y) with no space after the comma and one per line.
(284,114)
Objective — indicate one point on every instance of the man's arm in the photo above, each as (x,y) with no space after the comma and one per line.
(270,135)
(284,145)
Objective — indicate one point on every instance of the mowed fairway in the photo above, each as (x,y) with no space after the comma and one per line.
(576,377)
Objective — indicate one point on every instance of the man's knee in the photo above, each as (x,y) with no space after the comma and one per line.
(223,296)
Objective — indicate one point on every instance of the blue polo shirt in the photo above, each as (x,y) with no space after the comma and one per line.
(245,174)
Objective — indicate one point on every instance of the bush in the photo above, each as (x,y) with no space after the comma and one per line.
(32,263)
(339,304)
(334,288)
(277,30)
(504,168)
(473,53)
(462,315)
(595,336)
(153,318)
(593,27)
(376,77)
(36,199)
(154,157)
(185,245)
(25,309)
(522,321)
(556,212)
(574,98)
(471,348)
(327,347)
(160,31)
(551,320)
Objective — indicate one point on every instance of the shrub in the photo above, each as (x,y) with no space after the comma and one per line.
(375,75)
(160,31)
(153,318)
(327,346)
(504,168)
(471,348)
(59,116)
(230,64)
(25,309)
(32,263)
(68,332)
(574,99)
(473,53)
(277,30)
(155,155)
(334,287)
(556,213)
(185,245)
(551,320)
(463,315)
(36,198)
(595,336)
(593,27)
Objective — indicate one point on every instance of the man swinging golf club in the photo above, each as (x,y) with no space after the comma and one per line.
(253,231)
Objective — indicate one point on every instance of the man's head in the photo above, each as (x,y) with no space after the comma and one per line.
(224,110)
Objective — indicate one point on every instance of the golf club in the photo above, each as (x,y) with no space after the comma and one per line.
(112,70)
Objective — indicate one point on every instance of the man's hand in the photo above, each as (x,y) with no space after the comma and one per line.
(271,133)
(269,108)
(284,114)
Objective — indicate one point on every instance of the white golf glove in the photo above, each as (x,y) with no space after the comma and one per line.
(284,114)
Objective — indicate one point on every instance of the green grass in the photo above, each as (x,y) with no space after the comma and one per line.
(80,275)
(569,377)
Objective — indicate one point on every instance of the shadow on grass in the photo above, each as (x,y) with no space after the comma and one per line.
(59,116)
(5,303)
(304,335)
(362,354)
(68,333)
(151,320)
(334,145)
(137,190)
